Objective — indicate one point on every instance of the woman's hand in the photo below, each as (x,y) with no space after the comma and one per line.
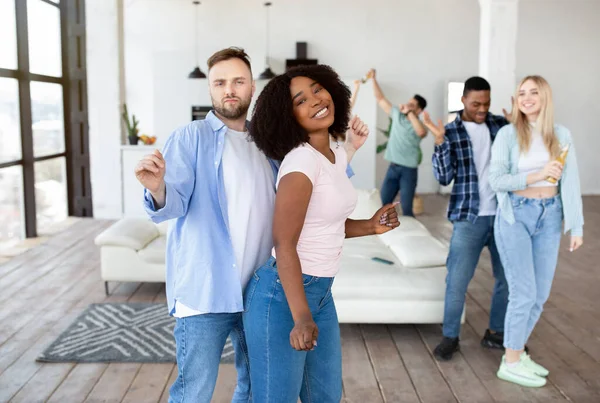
(552,169)
(303,336)
(385,219)
(576,242)
(357,133)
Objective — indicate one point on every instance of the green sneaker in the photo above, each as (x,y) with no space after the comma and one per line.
(533,366)
(520,374)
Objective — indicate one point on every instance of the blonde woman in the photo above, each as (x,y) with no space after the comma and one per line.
(535,194)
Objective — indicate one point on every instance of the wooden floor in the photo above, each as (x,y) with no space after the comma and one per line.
(44,289)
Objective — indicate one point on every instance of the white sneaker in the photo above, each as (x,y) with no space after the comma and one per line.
(520,374)
(533,366)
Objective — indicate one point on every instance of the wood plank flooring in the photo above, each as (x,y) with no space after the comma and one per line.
(46,287)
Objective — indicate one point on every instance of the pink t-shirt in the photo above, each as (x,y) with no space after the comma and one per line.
(332,201)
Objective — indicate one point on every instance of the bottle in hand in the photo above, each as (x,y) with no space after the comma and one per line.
(366,77)
(562,157)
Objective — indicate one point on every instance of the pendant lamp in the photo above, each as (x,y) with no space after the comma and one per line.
(268,73)
(196,73)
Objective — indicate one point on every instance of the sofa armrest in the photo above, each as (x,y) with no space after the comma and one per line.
(134,233)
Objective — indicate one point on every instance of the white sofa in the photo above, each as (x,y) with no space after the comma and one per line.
(411,290)
(133,249)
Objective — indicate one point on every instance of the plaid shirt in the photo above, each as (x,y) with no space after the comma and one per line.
(453,160)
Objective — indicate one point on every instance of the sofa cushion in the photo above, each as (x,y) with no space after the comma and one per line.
(360,277)
(155,251)
(417,251)
(368,202)
(134,233)
(408,226)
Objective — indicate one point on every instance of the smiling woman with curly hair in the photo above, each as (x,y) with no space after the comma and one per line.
(274,127)
(288,304)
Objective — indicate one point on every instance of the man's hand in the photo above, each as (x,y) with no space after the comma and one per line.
(404,108)
(437,131)
(150,172)
(508,115)
(371,74)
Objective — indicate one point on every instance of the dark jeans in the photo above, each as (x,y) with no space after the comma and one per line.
(467,243)
(403,179)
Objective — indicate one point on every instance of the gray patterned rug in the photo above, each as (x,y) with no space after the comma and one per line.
(120,332)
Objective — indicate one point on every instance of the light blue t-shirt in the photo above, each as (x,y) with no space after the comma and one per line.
(403,146)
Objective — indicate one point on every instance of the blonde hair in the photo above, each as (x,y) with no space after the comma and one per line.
(545,120)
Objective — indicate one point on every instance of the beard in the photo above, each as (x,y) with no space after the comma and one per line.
(232,111)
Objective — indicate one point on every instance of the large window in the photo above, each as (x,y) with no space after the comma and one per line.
(44,161)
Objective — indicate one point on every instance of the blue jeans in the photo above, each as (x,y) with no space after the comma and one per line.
(200,340)
(280,374)
(529,251)
(466,245)
(403,179)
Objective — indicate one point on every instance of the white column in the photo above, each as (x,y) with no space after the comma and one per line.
(497,49)
(364,161)
(104,99)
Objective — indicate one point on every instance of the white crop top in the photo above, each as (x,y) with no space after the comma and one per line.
(535,159)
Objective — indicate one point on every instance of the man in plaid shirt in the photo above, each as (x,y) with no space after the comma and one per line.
(462,154)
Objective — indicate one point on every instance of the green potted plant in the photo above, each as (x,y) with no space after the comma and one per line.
(132,126)
(386,133)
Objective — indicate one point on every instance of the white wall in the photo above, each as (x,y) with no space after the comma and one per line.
(103,106)
(560,40)
(416,46)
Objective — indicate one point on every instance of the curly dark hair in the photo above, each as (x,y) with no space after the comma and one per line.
(274,128)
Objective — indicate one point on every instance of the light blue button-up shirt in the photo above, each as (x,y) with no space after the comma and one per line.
(200,261)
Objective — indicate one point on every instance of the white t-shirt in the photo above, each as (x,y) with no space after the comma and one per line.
(535,159)
(248,179)
(332,201)
(482,153)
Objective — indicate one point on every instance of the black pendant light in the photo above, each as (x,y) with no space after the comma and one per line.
(268,73)
(196,73)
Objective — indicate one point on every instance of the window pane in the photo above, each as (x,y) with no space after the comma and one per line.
(10,132)
(43,25)
(47,118)
(8,33)
(50,193)
(12,228)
